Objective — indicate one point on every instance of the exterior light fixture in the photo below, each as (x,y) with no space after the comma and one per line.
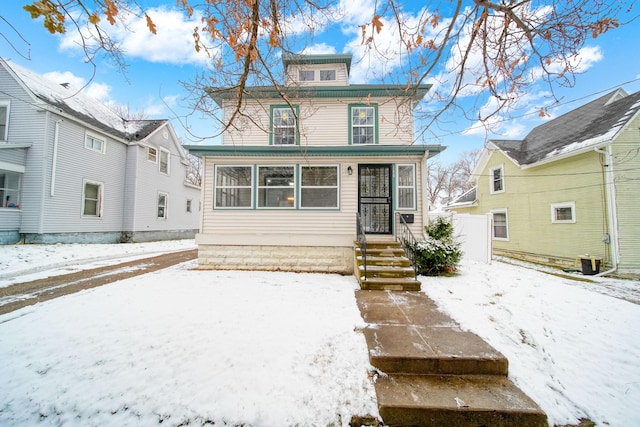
(350,170)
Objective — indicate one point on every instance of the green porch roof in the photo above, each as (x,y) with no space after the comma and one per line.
(314,150)
(310,92)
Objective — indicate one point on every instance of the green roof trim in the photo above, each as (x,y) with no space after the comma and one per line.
(314,150)
(317,59)
(309,92)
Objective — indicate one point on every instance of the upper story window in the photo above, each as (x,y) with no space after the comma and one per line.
(496,179)
(10,189)
(406,186)
(95,143)
(327,75)
(306,75)
(363,129)
(233,187)
(283,123)
(92,199)
(152,154)
(276,185)
(563,212)
(4,120)
(164,161)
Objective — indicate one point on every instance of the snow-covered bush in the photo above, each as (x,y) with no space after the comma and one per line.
(439,253)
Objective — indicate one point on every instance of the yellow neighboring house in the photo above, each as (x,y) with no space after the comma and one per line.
(569,189)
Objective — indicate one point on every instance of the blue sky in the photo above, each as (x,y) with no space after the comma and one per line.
(157,64)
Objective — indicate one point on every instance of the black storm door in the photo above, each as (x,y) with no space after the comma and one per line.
(374,195)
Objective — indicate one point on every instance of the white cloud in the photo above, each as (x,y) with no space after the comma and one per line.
(172,44)
(319,48)
(99,91)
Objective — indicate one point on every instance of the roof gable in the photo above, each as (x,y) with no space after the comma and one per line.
(593,124)
(76,104)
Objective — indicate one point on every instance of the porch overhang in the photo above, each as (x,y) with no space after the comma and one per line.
(315,151)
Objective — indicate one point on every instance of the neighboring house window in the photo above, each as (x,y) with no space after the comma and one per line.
(276,185)
(10,189)
(164,161)
(363,124)
(500,225)
(93,142)
(152,154)
(496,179)
(327,75)
(92,199)
(162,205)
(319,187)
(4,120)
(189,205)
(563,212)
(283,122)
(406,187)
(233,187)
(306,75)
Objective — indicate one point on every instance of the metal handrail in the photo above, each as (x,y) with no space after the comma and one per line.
(362,242)
(408,241)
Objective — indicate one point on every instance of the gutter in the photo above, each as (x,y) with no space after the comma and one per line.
(612,212)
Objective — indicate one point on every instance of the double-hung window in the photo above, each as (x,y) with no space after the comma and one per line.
(152,154)
(406,186)
(363,119)
(563,212)
(92,199)
(4,120)
(496,179)
(233,187)
(276,187)
(162,205)
(94,142)
(319,187)
(283,125)
(10,189)
(164,161)
(500,225)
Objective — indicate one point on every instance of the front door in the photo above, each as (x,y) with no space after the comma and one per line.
(374,196)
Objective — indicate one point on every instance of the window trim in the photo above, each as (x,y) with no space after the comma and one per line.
(155,155)
(493,226)
(166,205)
(95,137)
(296,125)
(556,206)
(99,200)
(338,185)
(492,180)
(250,187)
(414,187)
(7,104)
(374,106)
(168,153)
(259,187)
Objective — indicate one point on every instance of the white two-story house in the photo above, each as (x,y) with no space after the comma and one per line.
(284,189)
(73,171)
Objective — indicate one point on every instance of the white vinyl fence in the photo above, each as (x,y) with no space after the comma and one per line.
(474,233)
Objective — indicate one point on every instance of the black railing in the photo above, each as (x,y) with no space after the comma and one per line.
(408,242)
(362,242)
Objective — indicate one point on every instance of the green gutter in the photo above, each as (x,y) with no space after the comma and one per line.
(313,150)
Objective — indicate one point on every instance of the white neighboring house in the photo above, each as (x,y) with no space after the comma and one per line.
(72,170)
(284,189)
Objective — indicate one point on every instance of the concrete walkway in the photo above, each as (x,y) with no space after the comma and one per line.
(435,374)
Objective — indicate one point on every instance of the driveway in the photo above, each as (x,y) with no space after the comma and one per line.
(24,294)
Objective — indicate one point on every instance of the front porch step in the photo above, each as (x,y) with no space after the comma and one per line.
(461,401)
(388,268)
(388,284)
(387,271)
(398,261)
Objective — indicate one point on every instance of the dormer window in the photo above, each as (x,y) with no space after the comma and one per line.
(306,75)
(327,75)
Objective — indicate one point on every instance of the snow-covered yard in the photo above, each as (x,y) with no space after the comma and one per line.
(182,346)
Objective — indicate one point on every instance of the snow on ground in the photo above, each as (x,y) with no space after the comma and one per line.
(281,349)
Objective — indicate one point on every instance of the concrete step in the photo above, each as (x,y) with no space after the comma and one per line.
(389,284)
(397,261)
(382,252)
(375,271)
(461,401)
(432,350)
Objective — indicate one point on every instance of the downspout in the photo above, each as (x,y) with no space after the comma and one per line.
(612,211)
(425,200)
(54,161)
